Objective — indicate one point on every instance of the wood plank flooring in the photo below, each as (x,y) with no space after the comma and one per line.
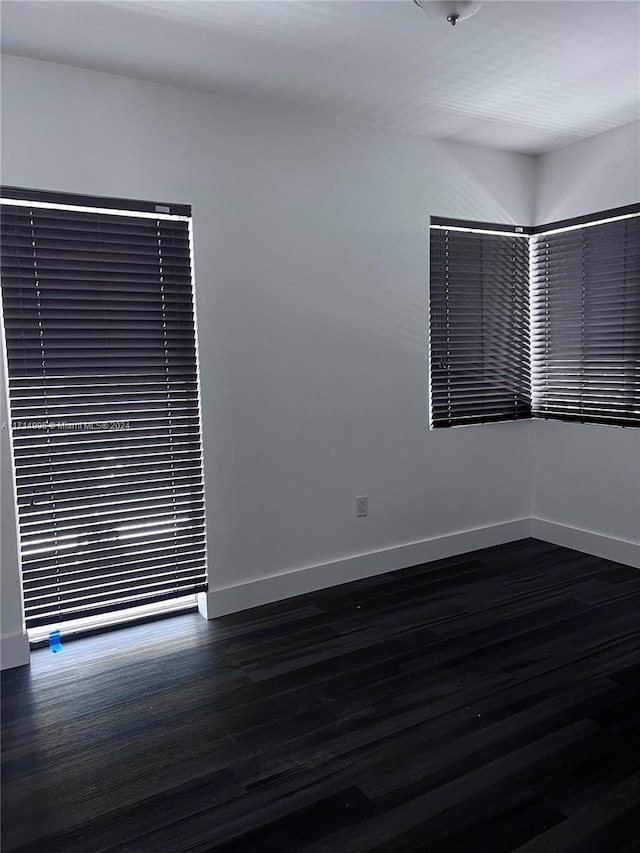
(489,702)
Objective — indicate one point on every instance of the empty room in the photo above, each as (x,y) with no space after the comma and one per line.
(320,484)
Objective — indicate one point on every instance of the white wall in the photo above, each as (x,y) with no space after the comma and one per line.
(311,277)
(585,476)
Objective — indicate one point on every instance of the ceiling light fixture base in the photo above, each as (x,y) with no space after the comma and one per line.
(453,11)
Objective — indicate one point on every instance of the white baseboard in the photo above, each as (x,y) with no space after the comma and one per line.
(231,599)
(610,548)
(14,651)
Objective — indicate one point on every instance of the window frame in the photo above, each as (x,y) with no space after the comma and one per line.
(511,402)
(143,211)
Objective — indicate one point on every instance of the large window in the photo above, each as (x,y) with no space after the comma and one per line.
(577,357)
(103,385)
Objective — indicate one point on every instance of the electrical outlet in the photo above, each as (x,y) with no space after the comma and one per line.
(362,506)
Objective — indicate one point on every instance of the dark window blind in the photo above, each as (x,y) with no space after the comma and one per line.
(585,291)
(103,387)
(479,327)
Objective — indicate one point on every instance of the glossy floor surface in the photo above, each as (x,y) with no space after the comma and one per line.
(489,702)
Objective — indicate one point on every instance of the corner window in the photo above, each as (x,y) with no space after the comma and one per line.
(536,322)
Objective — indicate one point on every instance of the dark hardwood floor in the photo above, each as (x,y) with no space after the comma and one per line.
(489,702)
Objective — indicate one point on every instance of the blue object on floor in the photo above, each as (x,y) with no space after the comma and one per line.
(55,644)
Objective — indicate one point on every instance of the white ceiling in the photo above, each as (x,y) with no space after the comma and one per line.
(525,75)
